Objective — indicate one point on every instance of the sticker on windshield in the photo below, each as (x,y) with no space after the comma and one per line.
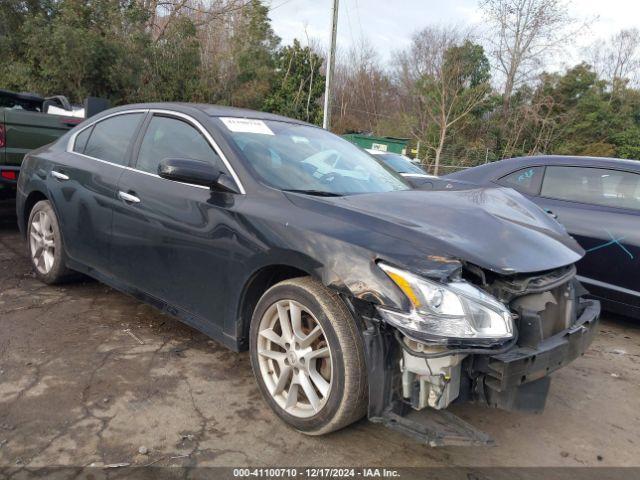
(246,125)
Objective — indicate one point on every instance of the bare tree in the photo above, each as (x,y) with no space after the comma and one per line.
(617,58)
(444,77)
(162,13)
(525,33)
(363,93)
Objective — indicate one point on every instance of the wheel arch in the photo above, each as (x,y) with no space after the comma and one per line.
(33,197)
(258,283)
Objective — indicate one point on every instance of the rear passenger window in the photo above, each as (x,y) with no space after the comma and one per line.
(596,186)
(111,138)
(172,138)
(526,180)
(81,140)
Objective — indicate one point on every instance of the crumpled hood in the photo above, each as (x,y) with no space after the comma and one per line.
(494,228)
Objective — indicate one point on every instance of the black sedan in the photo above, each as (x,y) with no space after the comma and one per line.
(353,292)
(598,201)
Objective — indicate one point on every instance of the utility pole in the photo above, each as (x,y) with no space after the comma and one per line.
(326,120)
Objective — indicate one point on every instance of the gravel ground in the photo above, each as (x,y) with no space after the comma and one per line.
(89,376)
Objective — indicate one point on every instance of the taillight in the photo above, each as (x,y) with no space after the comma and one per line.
(9,174)
(2,137)
(71,120)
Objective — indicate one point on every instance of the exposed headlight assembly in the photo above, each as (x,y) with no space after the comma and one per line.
(452,313)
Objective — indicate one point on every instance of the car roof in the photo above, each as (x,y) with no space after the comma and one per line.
(211,110)
(574,159)
(491,170)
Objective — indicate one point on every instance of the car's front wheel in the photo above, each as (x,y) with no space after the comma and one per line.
(307,356)
(46,249)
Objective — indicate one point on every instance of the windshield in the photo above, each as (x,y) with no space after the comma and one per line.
(308,159)
(401,164)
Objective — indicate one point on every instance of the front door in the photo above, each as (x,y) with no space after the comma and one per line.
(601,209)
(175,241)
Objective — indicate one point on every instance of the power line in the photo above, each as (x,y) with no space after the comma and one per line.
(359,20)
(353,40)
(284,2)
(364,111)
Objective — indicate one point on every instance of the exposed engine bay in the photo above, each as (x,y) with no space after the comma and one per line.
(553,323)
(541,305)
(429,382)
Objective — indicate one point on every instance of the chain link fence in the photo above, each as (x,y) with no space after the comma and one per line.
(453,160)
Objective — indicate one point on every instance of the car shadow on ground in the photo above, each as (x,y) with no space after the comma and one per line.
(8,219)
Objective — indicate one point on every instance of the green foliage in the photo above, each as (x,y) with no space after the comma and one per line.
(118,50)
(468,65)
(627,143)
(255,48)
(108,48)
(173,68)
(73,48)
(576,113)
(298,84)
(453,96)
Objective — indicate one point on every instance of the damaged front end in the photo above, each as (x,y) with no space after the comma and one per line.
(479,336)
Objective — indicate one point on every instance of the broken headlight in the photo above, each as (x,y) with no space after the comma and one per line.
(455,312)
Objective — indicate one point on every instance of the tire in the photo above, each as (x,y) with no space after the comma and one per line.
(46,247)
(341,393)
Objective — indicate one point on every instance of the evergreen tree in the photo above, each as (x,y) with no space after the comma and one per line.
(255,46)
(298,84)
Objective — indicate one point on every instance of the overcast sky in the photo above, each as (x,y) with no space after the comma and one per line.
(388,24)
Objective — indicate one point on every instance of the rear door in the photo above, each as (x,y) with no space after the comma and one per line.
(83,183)
(172,240)
(601,208)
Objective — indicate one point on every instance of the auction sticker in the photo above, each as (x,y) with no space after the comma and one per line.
(246,125)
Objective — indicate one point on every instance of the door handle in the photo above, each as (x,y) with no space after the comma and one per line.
(59,176)
(551,214)
(127,197)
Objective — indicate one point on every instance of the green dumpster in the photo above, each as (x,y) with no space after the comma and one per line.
(386,144)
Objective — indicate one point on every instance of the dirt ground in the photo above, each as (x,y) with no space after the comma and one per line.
(89,376)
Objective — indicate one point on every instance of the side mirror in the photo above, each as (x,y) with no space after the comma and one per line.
(196,172)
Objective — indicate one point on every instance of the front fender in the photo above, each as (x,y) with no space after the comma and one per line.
(342,257)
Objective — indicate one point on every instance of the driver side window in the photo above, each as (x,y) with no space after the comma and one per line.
(168,137)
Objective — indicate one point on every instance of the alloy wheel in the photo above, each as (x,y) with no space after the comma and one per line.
(294,358)
(41,242)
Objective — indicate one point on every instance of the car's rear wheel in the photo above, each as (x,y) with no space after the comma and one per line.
(46,249)
(307,356)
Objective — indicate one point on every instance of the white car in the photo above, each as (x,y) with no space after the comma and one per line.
(401,164)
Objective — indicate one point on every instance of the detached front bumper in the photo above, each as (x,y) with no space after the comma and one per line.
(519,378)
